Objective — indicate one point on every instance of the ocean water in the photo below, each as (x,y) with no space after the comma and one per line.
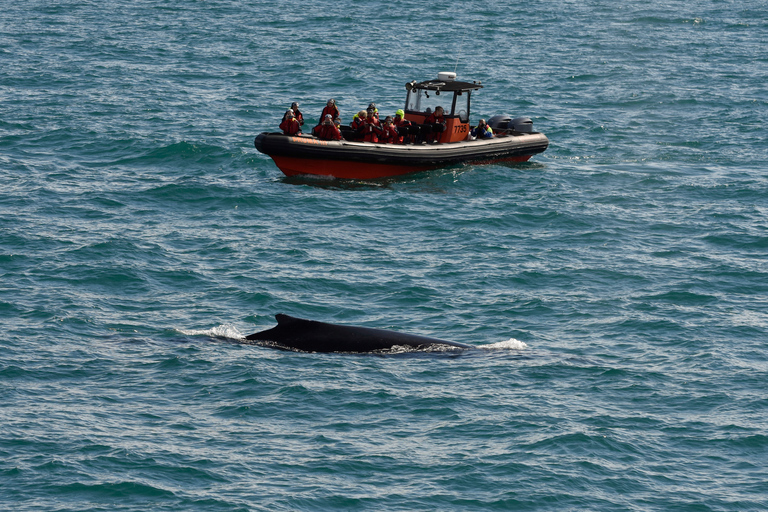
(615,286)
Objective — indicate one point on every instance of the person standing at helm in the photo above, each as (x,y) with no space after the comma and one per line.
(290,125)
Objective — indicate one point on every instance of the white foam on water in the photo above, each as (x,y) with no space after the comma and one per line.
(510,344)
(220,331)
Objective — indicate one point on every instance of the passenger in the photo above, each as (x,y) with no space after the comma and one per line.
(371,127)
(482,130)
(297,113)
(403,127)
(330,108)
(376,110)
(327,130)
(357,125)
(290,125)
(389,133)
(436,123)
(337,124)
(358,120)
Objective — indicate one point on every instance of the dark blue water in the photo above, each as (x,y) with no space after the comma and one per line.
(616,285)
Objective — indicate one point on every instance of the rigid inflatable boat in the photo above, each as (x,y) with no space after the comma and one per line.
(514,140)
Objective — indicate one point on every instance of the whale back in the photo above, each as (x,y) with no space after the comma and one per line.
(313,336)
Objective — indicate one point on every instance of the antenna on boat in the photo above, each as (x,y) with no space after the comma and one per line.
(461,45)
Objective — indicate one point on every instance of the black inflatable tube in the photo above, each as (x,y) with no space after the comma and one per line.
(499,148)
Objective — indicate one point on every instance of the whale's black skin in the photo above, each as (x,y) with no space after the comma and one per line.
(311,336)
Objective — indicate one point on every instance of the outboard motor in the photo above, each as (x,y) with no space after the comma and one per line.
(499,122)
(521,124)
(505,122)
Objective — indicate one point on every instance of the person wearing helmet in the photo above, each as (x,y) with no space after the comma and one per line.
(290,125)
(327,130)
(297,113)
(403,127)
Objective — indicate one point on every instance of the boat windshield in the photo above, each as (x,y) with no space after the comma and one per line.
(454,103)
(461,106)
(420,100)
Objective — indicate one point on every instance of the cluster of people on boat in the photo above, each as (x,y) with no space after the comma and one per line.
(366,126)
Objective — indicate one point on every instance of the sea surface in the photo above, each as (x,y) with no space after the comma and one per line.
(615,287)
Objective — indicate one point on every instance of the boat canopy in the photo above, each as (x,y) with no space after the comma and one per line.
(424,97)
(442,85)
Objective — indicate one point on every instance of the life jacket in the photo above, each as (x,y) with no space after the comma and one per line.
(327,132)
(357,122)
(433,118)
(436,126)
(334,111)
(299,116)
(371,129)
(290,126)
(389,134)
(482,132)
(402,128)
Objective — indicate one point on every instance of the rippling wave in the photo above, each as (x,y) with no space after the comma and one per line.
(616,283)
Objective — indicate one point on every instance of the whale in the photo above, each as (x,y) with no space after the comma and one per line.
(298,334)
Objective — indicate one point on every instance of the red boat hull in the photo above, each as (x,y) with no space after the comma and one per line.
(291,166)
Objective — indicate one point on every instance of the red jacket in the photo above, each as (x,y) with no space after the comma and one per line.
(434,118)
(334,111)
(357,123)
(389,134)
(327,132)
(398,124)
(290,126)
(438,126)
(371,129)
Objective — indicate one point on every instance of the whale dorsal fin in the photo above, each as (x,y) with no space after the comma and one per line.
(283,319)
